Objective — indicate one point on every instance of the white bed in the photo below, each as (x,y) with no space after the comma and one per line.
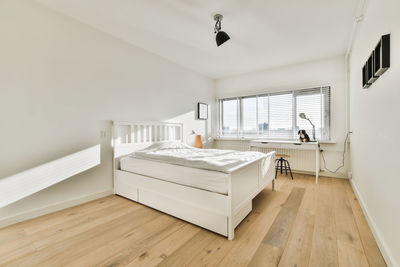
(215,200)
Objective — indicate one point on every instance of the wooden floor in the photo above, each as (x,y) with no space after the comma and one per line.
(300,224)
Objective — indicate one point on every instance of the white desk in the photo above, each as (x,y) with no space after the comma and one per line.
(283,144)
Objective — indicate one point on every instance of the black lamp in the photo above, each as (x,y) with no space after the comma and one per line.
(221,36)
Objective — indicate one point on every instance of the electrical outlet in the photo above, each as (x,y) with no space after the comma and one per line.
(103,134)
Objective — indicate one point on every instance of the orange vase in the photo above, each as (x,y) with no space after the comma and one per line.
(197,141)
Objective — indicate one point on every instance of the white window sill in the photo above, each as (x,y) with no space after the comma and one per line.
(267,140)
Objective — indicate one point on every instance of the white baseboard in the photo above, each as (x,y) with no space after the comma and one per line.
(323,173)
(52,208)
(390,261)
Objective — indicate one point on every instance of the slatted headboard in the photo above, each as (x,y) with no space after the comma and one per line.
(132,136)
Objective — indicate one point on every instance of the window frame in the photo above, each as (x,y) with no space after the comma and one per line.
(240,133)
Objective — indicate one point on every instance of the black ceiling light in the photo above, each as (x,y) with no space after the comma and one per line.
(221,36)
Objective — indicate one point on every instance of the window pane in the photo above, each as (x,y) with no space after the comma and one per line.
(229,116)
(281,116)
(249,115)
(263,115)
(309,104)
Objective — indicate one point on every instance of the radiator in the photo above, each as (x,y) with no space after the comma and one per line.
(299,160)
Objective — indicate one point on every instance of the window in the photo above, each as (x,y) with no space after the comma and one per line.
(230,116)
(276,115)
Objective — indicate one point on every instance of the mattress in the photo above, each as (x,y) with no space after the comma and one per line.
(178,153)
(213,181)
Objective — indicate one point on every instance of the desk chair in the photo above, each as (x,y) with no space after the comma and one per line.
(282,164)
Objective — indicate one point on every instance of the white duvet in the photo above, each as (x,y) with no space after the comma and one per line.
(209,159)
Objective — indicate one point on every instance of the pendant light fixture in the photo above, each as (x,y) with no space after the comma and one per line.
(221,36)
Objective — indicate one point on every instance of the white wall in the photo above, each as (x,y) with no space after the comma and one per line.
(61,82)
(324,72)
(374,118)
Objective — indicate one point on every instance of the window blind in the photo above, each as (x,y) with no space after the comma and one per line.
(315,104)
(276,115)
(281,116)
(263,115)
(249,115)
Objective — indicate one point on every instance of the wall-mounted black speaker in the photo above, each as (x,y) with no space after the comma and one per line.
(377,63)
(371,72)
(365,77)
(382,55)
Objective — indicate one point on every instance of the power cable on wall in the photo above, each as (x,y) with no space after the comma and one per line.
(343,156)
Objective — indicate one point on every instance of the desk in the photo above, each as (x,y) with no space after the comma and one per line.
(264,143)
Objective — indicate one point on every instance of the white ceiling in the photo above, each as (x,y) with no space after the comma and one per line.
(264,33)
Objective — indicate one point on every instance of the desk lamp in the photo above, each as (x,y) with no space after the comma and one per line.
(304,117)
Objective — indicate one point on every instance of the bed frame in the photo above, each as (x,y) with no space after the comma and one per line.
(216,212)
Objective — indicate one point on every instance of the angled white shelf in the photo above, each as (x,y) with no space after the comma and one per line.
(26,183)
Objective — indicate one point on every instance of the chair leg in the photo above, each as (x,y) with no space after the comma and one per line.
(276,167)
(281,161)
(286,168)
(290,170)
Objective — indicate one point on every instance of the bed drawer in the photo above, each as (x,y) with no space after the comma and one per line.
(124,187)
(242,213)
(184,210)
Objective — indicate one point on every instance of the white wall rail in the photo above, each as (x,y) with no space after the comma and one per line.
(26,183)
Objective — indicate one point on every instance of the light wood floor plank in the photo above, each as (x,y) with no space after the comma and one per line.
(135,245)
(276,238)
(324,246)
(246,243)
(347,235)
(132,223)
(326,227)
(371,250)
(280,229)
(350,256)
(56,234)
(160,251)
(238,250)
(248,235)
(70,214)
(298,249)
(51,234)
(73,245)
(185,254)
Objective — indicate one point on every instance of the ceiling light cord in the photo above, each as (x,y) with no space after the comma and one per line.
(343,156)
(217,27)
